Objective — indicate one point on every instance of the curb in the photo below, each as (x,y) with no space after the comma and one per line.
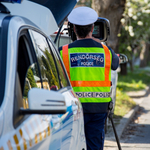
(138,94)
(127,118)
(125,121)
(123,124)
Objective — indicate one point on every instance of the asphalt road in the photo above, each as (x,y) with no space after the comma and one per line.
(136,136)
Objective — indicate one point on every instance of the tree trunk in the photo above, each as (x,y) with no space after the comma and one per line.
(131,65)
(112,10)
(123,69)
(144,56)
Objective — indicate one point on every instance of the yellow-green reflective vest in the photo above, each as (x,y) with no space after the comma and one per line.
(89,71)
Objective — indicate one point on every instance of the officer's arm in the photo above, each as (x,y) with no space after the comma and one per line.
(115,60)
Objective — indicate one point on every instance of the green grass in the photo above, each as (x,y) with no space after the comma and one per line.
(123,104)
(134,81)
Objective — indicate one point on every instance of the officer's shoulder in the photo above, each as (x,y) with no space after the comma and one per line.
(69,45)
(107,46)
(110,49)
(98,44)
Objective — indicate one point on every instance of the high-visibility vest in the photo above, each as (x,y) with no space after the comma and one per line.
(92,84)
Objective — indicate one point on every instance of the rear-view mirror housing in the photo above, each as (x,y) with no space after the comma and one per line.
(43,101)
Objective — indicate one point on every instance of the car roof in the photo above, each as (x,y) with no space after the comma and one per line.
(49,15)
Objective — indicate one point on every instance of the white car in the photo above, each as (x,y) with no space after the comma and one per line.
(38,107)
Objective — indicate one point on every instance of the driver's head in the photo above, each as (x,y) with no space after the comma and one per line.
(83,19)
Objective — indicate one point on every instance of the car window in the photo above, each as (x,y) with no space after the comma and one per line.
(62,75)
(32,80)
(50,78)
(27,70)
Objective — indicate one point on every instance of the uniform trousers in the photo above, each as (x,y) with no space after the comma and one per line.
(94,130)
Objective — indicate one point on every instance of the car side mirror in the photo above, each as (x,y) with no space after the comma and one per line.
(123,58)
(43,101)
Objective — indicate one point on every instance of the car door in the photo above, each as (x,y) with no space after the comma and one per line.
(36,69)
(23,131)
(59,83)
(32,71)
(73,138)
(68,128)
(50,80)
(31,131)
(76,134)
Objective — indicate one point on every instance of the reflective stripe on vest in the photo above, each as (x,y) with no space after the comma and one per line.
(93,94)
(105,83)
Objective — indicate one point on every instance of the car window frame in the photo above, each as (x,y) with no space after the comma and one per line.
(24,32)
(62,89)
(3,55)
(49,48)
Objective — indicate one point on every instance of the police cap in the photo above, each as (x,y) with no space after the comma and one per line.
(82,16)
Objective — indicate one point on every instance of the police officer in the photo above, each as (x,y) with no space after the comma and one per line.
(88,64)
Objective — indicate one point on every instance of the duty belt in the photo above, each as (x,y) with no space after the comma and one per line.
(93,94)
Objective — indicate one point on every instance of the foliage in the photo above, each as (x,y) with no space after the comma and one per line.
(31,78)
(133,81)
(49,74)
(53,67)
(62,76)
(52,64)
(29,82)
(85,3)
(135,27)
(26,89)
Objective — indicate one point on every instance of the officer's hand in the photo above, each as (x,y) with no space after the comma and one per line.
(119,58)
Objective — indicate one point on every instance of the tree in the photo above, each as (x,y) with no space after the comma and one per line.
(84,3)
(30,77)
(52,63)
(135,32)
(144,55)
(49,74)
(113,11)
